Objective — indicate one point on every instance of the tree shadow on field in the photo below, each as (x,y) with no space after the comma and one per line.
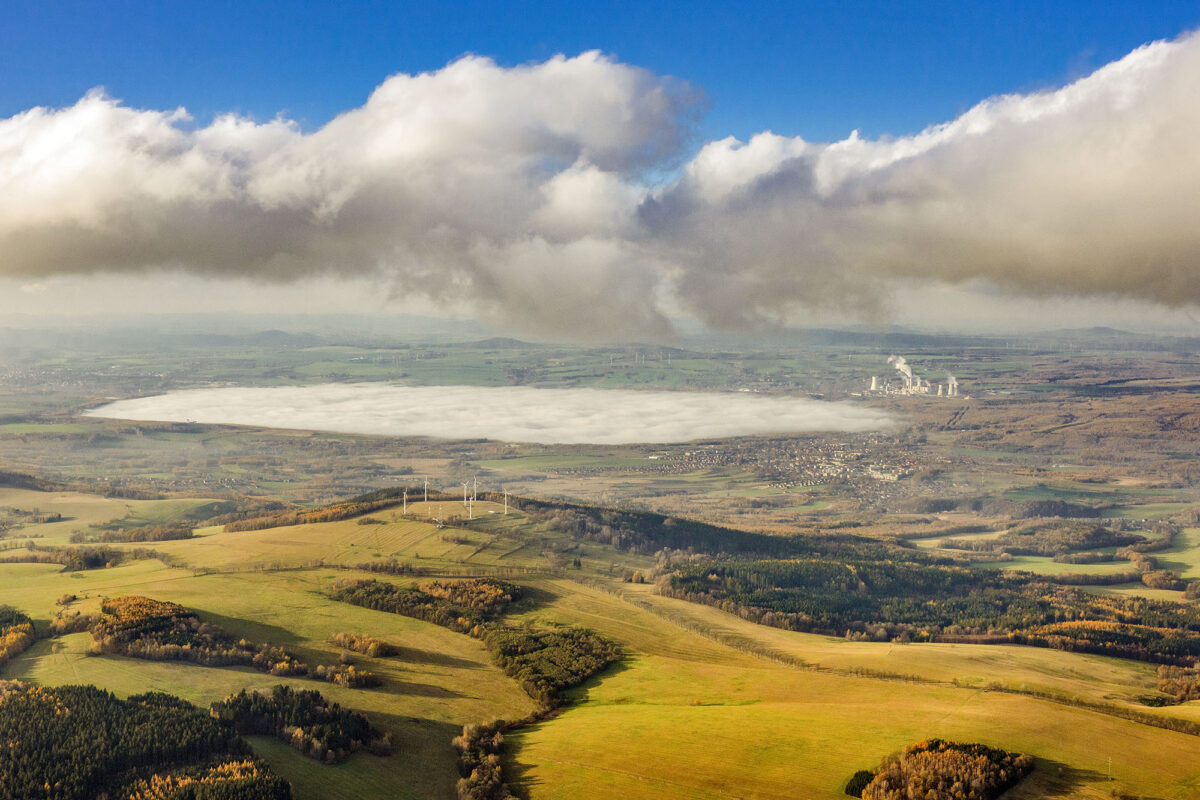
(257,632)
(580,694)
(516,774)
(532,597)
(393,686)
(414,655)
(414,734)
(1052,779)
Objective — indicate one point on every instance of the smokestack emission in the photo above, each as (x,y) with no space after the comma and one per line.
(901,364)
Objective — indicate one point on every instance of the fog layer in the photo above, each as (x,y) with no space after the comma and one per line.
(517,414)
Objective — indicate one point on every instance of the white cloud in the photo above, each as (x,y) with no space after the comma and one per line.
(517,413)
(527,195)
(1088,190)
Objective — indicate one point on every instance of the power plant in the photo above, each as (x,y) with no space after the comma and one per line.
(911,384)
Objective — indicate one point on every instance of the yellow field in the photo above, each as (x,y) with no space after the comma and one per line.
(705,705)
(439,682)
(689,718)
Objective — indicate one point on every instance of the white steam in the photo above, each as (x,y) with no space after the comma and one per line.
(518,414)
(530,194)
(901,365)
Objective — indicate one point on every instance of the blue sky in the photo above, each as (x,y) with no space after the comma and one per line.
(816,70)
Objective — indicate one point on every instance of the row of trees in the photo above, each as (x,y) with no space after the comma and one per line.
(145,533)
(74,559)
(246,779)
(141,627)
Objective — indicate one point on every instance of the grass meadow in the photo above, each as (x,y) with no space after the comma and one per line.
(704,704)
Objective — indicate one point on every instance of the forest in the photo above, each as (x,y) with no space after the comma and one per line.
(70,742)
(547,662)
(304,719)
(16,633)
(884,600)
(935,769)
(478,750)
(1182,683)
(646,533)
(458,605)
(543,662)
(1048,538)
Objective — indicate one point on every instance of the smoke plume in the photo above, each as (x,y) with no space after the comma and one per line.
(535,195)
(901,365)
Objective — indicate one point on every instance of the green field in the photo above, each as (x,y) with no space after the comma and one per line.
(704,705)
(688,717)
(440,680)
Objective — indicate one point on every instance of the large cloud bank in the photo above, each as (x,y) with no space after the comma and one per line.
(516,414)
(536,195)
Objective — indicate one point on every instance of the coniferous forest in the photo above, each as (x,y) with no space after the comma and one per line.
(71,742)
(940,602)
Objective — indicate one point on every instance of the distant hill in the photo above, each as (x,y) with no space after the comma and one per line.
(498,343)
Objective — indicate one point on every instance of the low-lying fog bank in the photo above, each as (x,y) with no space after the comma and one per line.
(511,413)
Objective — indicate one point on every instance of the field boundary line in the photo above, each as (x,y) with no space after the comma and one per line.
(748,646)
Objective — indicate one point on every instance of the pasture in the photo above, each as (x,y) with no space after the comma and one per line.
(689,717)
(705,704)
(439,682)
